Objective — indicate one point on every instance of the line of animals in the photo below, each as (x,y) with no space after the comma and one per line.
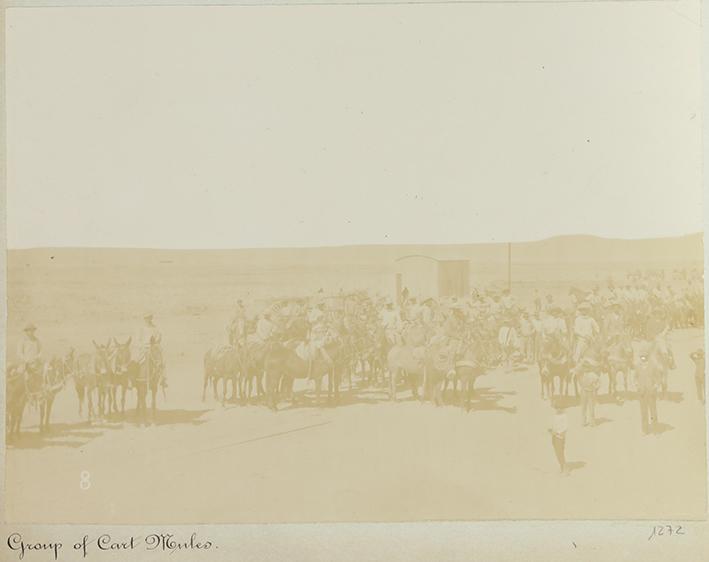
(102,380)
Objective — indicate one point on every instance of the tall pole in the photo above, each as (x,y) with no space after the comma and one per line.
(509,266)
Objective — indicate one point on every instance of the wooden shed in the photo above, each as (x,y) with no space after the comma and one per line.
(424,276)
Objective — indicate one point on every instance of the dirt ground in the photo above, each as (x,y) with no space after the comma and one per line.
(368,459)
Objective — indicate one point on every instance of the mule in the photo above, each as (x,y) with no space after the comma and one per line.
(407,362)
(124,372)
(283,365)
(222,363)
(15,399)
(102,370)
(151,368)
(555,363)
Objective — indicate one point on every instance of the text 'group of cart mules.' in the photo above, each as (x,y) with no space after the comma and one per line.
(102,380)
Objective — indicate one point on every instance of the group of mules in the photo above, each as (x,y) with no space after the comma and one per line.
(614,357)
(267,371)
(101,379)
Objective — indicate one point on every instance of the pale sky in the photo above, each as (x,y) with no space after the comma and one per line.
(328,125)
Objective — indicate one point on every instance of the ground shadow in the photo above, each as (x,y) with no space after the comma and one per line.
(166,417)
(659,428)
(488,399)
(566,401)
(77,434)
(674,397)
(72,435)
(575,465)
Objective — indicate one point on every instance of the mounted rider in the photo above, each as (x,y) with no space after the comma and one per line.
(236,329)
(391,322)
(586,329)
(29,351)
(553,324)
(321,334)
(150,346)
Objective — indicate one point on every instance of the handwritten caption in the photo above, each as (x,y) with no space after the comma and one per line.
(106,543)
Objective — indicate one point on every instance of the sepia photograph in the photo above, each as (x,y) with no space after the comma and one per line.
(357,384)
(353,264)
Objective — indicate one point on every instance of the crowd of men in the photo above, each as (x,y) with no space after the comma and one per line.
(645,307)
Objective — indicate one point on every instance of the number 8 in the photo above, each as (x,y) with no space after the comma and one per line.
(85,480)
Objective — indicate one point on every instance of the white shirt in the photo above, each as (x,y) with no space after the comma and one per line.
(559,423)
(29,350)
(585,327)
(264,328)
(147,333)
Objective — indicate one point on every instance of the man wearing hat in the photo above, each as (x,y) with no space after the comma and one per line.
(698,357)
(585,330)
(552,324)
(29,350)
(647,378)
(391,322)
(150,341)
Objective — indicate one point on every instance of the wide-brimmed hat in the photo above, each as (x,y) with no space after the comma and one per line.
(147,315)
(29,327)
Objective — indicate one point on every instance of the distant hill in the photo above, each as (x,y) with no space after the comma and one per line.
(557,250)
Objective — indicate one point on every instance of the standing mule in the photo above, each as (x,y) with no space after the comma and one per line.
(283,366)
(150,372)
(469,365)
(102,370)
(618,362)
(15,400)
(223,363)
(124,371)
(408,362)
(252,370)
(85,383)
(56,373)
(555,362)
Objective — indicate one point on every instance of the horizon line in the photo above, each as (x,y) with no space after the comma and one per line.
(344,246)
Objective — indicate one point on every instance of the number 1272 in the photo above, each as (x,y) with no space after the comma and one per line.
(669,530)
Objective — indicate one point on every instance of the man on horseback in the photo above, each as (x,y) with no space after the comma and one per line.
(29,351)
(320,334)
(391,322)
(237,326)
(585,330)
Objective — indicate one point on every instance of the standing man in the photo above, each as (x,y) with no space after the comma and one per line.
(526,330)
(590,381)
(29,350)
(150,341)
(698,358)
(647,377)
